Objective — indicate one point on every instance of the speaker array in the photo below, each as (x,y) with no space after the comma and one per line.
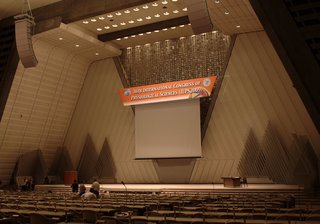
(23,29)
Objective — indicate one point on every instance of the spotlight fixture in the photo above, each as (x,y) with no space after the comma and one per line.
(166,13)
(185,9)
(107,27)
(164,2)
(85,22)
(99,29)
(156,31)
(181,26)
(154,4)
(148,17)
(93,20)
(174,0)
(140,34)
(175,11)
(118,38)
(123,23)
(165,29)
(110,16)
(60,38)
(226,13)
(157,15)
(136,9)
(216,1)
(114,25)
(148,32)
(145,6)
(238,26)
(127,11)
(139,20)
(173,27)
(101,17)
(97,53)
(125,37)
(131,21)
(77,45)
(118,13)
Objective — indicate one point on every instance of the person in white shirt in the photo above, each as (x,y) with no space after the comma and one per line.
(89,196)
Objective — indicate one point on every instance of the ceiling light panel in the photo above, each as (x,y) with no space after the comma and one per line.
(134,16)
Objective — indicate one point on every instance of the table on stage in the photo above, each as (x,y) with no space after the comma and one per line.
(231,181)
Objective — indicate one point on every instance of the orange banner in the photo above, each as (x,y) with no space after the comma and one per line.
(186,89)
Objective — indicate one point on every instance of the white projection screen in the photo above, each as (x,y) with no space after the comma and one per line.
(168,130)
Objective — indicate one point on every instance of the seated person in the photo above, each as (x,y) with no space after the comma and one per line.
(82,188)
(95,188)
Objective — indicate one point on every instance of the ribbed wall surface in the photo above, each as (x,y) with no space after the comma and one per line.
(101,115)
(256,89)
(40,105)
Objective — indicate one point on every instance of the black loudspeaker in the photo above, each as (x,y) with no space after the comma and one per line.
(23,29)
(199,16)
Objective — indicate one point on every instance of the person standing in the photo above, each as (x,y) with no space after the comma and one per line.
(75,186)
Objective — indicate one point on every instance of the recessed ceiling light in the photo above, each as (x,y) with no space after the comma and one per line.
(118,13)
(110,16)
(125,37)
(97,53)
(93,20)
(155,4)
(114,25)
(216,1)
(165,29)
(181,26)
(173,27)
(164,2)
(145,6)
(99,29)
(157,15)
(175,11)
(101,17)
(185,9)
(148,32)
(131,21)
(136,9)
(227,13)
(123,23)
(133,35)
(238,26)
(118,38)
(156,31)
(174,0)
(77,45)
(107,27)
(148,17)
(139,20)
(60,38)
(166,13)
(140,34)
(127,11)
(85,22)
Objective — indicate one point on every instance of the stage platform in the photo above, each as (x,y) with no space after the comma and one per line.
(179,187)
